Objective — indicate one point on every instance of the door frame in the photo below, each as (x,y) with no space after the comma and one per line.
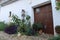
(41,4)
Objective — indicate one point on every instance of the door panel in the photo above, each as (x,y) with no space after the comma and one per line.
(45,17)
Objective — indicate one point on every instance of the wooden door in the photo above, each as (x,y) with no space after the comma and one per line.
(44,15)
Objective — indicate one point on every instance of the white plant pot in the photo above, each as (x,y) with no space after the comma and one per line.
(19,34)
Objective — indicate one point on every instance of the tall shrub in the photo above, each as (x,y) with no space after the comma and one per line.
(2,26)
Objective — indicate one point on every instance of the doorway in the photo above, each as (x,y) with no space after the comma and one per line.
(43,14)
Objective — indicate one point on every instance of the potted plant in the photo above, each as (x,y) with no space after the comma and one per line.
(37,27)
(57,28)
(11,28)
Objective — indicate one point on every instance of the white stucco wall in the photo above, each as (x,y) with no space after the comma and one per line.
(37,2)
(56,15)
(16,8)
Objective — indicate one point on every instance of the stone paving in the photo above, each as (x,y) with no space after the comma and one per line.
(4,36)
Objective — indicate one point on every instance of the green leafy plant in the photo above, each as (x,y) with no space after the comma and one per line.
(27,17)
(57,28)
(17,22)
(15,19)
(2,26)
(37,26)
(24,25)
(58,5)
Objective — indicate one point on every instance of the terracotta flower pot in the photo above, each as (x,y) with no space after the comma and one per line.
(40,32)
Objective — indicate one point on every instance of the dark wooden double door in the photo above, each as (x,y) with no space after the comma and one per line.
(45,17)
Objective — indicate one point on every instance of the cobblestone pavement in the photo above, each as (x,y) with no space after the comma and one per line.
(4,36)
